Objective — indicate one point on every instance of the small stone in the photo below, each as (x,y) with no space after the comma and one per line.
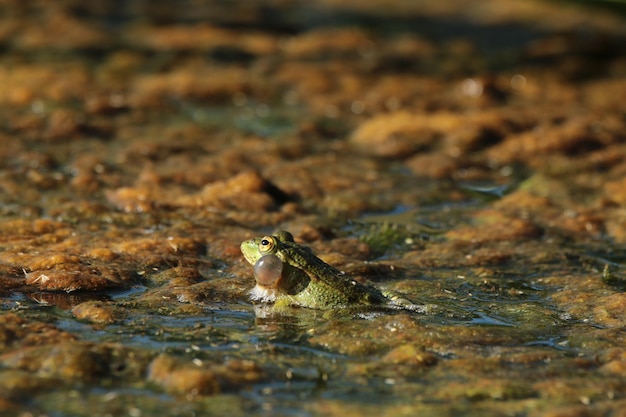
(176,377)
(409,355)
(95,312)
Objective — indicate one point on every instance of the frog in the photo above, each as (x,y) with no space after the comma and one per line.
(290,274)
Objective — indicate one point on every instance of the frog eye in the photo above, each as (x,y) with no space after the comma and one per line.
(267,244)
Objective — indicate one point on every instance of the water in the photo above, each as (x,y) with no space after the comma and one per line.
(467,159)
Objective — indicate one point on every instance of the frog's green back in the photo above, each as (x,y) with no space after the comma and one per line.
(328,283)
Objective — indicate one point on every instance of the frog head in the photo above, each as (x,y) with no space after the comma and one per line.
(273,275)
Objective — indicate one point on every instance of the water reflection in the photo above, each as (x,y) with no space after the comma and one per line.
(65,301)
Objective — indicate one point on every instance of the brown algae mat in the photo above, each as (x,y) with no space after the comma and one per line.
(470,156)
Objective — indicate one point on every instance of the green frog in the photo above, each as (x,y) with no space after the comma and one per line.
(289,274)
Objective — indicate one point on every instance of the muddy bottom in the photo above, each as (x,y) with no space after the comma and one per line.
(469,157)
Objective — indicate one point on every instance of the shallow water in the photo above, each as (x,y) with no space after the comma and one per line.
(468,159)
